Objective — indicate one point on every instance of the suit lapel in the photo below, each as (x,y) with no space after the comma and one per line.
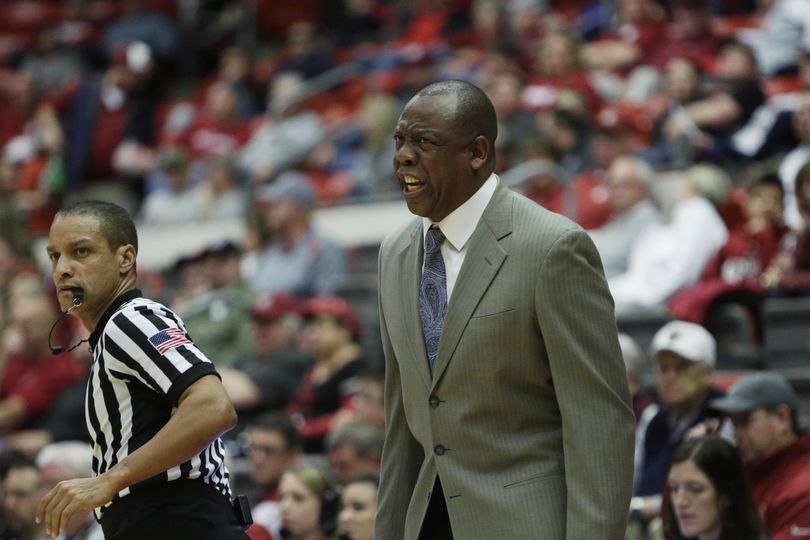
(407,287)
(481,264)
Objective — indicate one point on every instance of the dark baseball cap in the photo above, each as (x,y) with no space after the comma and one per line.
(223,248)
(763,389)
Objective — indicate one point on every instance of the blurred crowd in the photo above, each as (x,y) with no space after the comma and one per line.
(677,132)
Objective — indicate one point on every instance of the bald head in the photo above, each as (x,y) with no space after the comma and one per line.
(474,112)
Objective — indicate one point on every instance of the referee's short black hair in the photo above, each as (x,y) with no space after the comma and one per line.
(116,225)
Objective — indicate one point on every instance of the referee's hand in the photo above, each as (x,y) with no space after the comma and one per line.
(72,496)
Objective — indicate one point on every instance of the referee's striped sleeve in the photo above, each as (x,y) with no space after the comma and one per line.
(168,372)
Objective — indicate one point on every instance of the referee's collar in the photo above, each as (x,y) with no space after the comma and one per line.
(117,303)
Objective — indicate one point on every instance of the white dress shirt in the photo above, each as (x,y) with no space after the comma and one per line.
(458,227)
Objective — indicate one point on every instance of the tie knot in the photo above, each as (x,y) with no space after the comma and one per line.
(433,240)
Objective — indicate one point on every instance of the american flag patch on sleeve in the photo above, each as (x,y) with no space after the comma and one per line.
(169,339)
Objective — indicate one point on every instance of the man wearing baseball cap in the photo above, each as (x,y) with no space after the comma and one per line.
(764,409)
(684,353)
(296,258)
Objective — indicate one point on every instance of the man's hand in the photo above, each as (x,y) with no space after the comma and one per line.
(72,496)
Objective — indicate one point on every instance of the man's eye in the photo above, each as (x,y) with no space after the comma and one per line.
(424,141)
(53,257)
(398,140)
(81,252)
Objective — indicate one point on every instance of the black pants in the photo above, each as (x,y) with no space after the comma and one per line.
(436,525)
(177,510)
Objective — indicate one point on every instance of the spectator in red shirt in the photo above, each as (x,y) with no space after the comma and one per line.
(789,271)
(219,130)
(332,333)
(109,125)
(558,68)
(734,272)
(32,377)
(19,103)
(235,65)
(763,408)
(638,27)
(689,34)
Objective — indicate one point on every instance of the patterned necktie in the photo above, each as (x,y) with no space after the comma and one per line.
(433,294)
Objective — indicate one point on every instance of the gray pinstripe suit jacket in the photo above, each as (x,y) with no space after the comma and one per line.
(527,419)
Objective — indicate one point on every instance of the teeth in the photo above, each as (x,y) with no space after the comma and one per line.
(411,181)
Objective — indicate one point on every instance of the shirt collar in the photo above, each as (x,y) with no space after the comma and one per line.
(460,224)
(111,309)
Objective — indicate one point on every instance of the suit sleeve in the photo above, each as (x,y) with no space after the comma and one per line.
(576,317)
(402,455)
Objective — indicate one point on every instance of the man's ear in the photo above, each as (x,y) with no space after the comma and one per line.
(783,412)
(480,149)
(126,255)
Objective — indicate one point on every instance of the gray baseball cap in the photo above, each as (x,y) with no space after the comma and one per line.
(291,186)
(763,389)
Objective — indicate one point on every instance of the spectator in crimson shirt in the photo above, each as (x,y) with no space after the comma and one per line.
(690,34)
(332,333)
(111,115)
(584,198)
(219,130)
(735,270)
(19,98)
(235,67)
(639,25)
(764,409)
(32,377)
(558,68)
(789,271)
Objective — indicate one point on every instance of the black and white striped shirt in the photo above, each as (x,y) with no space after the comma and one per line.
(143,361)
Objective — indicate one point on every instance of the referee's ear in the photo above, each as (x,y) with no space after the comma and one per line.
(126,256)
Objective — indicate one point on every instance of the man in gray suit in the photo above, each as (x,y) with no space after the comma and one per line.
(506,401)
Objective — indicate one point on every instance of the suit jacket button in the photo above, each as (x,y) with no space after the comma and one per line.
(434,401)
(439,450)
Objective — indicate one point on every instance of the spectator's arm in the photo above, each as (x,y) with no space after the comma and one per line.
(608,54)
(716,111)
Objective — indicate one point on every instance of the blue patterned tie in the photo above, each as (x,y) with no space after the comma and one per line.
(433,294)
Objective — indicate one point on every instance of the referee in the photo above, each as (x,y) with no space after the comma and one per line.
(155,406)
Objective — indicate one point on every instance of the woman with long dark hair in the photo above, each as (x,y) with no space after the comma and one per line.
(709,495)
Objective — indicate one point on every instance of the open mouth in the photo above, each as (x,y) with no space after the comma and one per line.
(411,184)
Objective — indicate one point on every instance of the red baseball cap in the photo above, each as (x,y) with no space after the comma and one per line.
(336,307)
(274,305)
